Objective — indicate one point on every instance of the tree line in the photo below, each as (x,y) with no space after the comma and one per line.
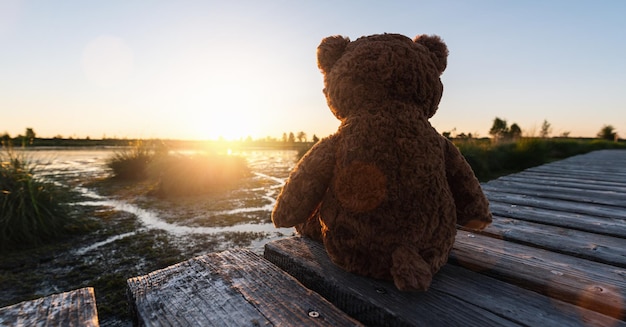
(30,138)
(501,131)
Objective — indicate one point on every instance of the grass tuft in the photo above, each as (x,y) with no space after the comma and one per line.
(175,175)
(31,210)
(132,163)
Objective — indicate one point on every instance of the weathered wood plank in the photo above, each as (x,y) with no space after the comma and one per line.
(580,196)
(591,246)
(457,297)
(593,285)
(74,308)
(547,179)
(231,288)
(610,158)
(496,195)
(592,161)
(594,166)
(601,225)
(592,176)
(606,165)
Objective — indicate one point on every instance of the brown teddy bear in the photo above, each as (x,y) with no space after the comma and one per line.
(385,192)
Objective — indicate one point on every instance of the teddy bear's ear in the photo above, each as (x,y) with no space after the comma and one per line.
(436,46)
(330,50)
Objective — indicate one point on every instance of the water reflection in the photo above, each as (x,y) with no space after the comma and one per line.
(269,172)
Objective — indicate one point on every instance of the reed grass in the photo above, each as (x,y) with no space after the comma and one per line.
(132,163)
(175,174)
(31,210)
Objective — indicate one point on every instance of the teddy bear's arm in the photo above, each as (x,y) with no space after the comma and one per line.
(306,185)
(472,207)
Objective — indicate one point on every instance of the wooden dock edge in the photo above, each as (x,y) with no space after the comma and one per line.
(232,288)
(73,308)
(457,297)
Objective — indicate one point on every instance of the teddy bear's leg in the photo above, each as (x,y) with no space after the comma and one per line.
(311,228)
(409,270)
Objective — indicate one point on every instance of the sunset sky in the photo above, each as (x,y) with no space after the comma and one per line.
(205,69)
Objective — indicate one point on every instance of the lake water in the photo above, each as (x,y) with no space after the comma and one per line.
(246,209)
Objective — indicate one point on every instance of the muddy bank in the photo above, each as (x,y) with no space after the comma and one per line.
(134,233)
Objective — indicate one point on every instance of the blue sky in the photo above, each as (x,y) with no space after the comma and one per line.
(204,69)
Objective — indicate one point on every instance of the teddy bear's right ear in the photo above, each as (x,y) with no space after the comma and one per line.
(330,50)
(437,47)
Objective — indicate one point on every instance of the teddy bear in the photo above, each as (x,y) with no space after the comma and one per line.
(386,191)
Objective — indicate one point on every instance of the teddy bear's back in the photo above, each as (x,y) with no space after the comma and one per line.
(388,190)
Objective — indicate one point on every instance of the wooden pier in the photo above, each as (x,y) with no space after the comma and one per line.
(73,308)
(555,255)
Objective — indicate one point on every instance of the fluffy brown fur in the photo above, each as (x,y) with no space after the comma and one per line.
(385,192)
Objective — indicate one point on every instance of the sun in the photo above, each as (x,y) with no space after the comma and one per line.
(229,125)
(225,99)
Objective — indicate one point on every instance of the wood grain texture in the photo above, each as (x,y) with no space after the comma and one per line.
(592,246)
(602,287)
(73,308)
(457,297)
(231,288)
(373,302)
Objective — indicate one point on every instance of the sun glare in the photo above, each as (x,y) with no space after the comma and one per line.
(220,95)
(230,125)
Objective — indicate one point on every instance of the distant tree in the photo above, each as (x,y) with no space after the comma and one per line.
(285,137)
(565,134)
(30,136)
(515,132)
(315,138)
(546,129)
(5,139)
(607,133)
(292,138)
(301,136)
(447,135)
(499,129)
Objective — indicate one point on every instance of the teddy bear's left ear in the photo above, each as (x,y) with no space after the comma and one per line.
(330,50)
(436,46)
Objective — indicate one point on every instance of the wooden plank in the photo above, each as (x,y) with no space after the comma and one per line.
(604,165)
(610,161)
(231,288)
(495,195)
(589,284)
(457,297)
(580,187)
(591,246)
(581,196)
(610,158)
(547,179)
(594,165)
(607,226)
(592,176)
(520,305)
(593,161)
(73,308)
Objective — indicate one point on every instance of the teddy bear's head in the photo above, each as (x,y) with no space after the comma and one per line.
(372,72)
